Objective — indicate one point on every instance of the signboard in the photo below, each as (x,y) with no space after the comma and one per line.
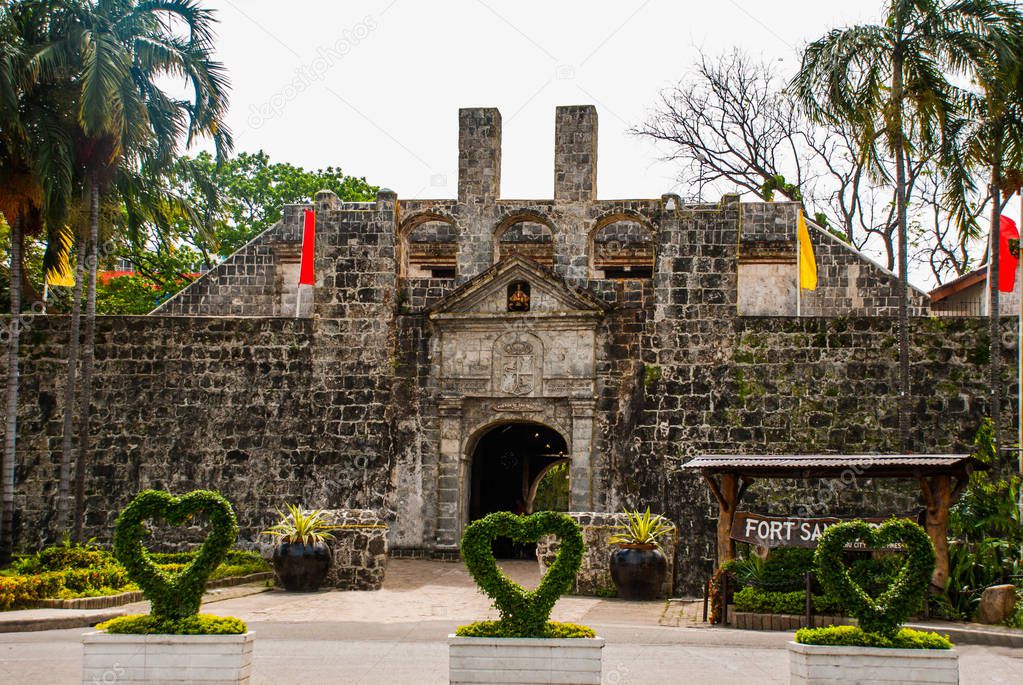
(772,531)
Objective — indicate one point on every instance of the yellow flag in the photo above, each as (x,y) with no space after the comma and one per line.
(807,262)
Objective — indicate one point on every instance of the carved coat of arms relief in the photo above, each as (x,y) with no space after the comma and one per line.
(518,368)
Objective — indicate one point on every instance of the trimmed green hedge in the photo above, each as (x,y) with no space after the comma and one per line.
(757,601)
(553,629)
(888,611)
(851,636)
(62,558)
(524,613)
(174,596)
(199,624)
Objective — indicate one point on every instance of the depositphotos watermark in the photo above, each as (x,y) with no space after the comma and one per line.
(829,491)
(111,676)
(309,74)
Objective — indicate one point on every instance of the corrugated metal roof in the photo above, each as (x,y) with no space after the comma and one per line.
(802,461)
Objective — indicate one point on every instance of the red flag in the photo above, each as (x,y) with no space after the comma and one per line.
(1007,261)
(308,273)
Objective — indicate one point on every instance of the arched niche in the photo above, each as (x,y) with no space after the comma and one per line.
(622,246)
(527,234)
(428,246)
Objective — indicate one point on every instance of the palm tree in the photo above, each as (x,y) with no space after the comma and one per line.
(888,82)
(35,184)
(988,135)
(121,52)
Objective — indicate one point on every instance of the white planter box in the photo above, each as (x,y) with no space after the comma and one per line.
(827,665)
(515,661)
(167,659)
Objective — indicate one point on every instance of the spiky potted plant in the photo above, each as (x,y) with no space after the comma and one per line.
(301,557)
(638,566)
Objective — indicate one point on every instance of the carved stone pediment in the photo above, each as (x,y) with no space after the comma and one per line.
(488,293)
(484,347)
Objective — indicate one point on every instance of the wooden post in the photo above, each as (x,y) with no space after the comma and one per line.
(727,493)
(938,498)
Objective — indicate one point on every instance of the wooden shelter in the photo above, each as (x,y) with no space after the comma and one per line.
(941,477)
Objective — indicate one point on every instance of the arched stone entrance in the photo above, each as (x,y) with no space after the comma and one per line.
(507,463)
(495,365)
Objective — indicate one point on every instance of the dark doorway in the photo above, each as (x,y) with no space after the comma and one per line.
(507,462)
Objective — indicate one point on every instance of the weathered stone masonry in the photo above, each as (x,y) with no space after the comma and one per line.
(377,395)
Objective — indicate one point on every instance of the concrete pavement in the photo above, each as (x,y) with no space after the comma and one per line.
(397,636)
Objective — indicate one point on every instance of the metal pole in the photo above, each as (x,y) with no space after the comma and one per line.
(724,598)
(799,285)
(1019,364)
(809,599)
(706,599)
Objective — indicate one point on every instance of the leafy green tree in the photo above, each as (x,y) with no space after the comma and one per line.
(122,54)
(986,529)
(128,295)
(35,186)
(243,196)
(889,82)
(988,139)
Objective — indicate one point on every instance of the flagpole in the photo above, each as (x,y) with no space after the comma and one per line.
(306,267)
(799,292)
(1019,361)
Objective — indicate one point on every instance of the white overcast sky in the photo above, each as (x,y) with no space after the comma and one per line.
(374,87)
(385,105)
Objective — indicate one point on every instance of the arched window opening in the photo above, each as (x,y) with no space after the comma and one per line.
(432,249)
(527,239)
(623,250)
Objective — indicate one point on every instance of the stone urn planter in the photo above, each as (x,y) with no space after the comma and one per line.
(301,568)
(167,659)
(574,661)
(638,566)
(638,572)
(301,557)
(829,665)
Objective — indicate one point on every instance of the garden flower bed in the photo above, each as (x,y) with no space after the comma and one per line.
(56,575)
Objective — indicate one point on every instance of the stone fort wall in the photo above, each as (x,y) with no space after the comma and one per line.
(339,408)
(274,410)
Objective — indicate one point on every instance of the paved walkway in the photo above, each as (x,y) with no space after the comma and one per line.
(397,636)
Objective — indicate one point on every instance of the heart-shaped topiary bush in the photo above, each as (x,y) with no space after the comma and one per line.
(885,614)
(179,595)
(524,613)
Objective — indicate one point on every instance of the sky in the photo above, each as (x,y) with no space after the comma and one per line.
(374,87)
